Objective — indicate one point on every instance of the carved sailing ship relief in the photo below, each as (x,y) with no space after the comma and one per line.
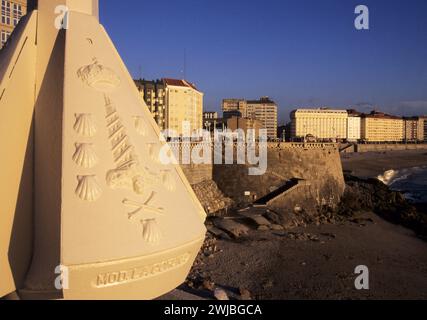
(128,173)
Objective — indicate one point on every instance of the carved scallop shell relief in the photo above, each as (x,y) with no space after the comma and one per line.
(151,232)
(88,188)
(85,155)
(84,125)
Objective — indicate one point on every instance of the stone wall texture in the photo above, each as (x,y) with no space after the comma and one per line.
(197,173)
(316,167)
(212,199)
(390,147)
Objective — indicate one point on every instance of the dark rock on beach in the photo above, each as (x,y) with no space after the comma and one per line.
(373,195)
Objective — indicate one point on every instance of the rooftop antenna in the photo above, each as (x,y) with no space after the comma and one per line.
(185,63)
(140,72)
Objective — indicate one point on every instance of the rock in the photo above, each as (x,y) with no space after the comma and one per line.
(277,227)
(212,199)
(273,217)
(268,284)
(263,228)
(329,235)
(313,237)
(232,227)
(260,220)
(373,195)
(218,233)
(245,294)
(208,285)
(220,294)
(298,209)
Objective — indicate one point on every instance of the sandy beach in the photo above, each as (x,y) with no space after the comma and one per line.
(372,164)
(318,262)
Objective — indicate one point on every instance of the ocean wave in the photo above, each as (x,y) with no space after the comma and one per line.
(388,176)
(412,182)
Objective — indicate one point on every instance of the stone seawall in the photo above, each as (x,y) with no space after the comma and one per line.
(389,147)
(200,177)
(317,167)
(197,173)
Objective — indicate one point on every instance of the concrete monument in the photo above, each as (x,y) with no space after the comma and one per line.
(88,211)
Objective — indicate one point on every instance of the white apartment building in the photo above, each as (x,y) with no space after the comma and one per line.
(354,128)
(321,123)
(184,104)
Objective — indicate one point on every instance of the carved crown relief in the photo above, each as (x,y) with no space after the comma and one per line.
(98,77)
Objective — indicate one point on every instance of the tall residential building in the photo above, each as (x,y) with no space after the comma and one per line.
(11,13)
(354,126)
(413,129)
(264,110)
(154,95)
(229,105)
(173,103)
(381,127)
(321,123)
(184,104)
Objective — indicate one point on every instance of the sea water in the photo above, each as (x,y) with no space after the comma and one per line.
(411,182)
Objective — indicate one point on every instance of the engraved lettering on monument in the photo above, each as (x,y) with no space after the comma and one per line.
(125,276)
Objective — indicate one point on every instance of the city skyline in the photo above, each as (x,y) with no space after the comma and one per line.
(299,54)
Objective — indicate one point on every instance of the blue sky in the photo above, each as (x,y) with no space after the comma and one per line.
(299,52)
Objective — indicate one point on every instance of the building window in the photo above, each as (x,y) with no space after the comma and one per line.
(4,36)
(17,13)
(5,12)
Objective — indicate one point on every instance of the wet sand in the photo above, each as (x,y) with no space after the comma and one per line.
(372,164)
